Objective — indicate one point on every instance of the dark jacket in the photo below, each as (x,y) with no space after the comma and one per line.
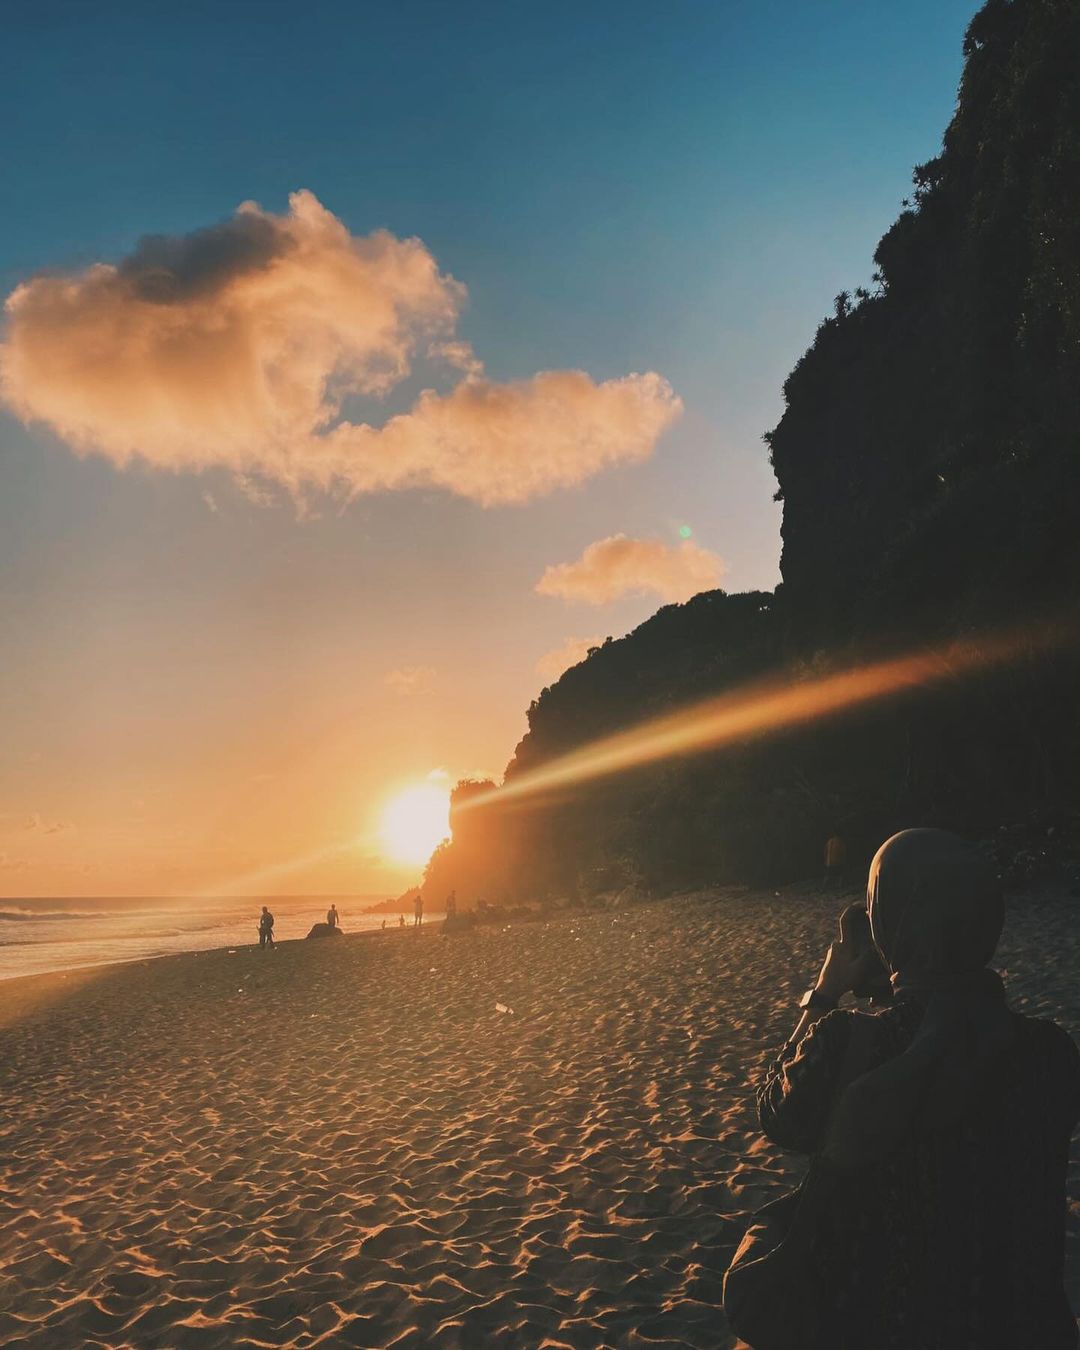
(955,1240)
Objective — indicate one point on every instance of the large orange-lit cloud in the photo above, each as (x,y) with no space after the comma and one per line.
(618,565)
(236,346)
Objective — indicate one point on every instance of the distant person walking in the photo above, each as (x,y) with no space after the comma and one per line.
(332,917)
(418,910)
(933,1214)
(266,928)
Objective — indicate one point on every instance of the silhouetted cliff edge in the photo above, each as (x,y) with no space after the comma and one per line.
(928,460)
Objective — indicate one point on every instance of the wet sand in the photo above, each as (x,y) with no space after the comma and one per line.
(348,1143)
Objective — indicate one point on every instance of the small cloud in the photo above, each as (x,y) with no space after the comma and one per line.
(257,493)
(211,503)
(460,355)
(618,566)
(40,826)
(573,651)
(10,864)
(409,679)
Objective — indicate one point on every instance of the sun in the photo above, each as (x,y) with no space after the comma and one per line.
(415,822)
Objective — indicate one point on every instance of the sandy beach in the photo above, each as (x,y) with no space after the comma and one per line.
(536,1134)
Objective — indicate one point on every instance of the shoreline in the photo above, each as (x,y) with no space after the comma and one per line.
(39,950)
(66,972)
(809,893)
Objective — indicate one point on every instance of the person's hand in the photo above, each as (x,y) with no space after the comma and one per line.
(843,968)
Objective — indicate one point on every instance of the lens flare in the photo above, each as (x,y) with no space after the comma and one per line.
(768,707)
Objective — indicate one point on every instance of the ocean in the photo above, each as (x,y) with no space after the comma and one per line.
(41,935)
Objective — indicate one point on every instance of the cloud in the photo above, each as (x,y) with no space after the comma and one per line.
(256,493)
(236,347)
(409,679)
(36,823)
(618,565)
(574,650)
(504,443)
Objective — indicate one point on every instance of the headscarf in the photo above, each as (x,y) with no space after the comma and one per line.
(935,907)
(936,914)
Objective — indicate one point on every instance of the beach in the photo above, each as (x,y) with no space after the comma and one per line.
(534,1134)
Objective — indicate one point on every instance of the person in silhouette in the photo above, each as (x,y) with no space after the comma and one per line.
(835,861)
(451,906)
(945,1148)
(401,920)
(332,916)
(418,910)
(266,928)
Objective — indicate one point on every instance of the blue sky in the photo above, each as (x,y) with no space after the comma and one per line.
(621,187)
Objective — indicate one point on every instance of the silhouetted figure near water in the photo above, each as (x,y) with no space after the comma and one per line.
(418,910)
(933,1215)
(451,907)
(266,928)
(332,918)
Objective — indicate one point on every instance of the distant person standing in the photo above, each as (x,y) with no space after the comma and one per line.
(451,906)
(418,910)
(332,918)
(401,920)
(835,861)
(266,928)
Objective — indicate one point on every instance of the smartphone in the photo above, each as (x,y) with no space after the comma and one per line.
(855,934)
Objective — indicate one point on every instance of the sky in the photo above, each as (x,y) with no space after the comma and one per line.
(364,363)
